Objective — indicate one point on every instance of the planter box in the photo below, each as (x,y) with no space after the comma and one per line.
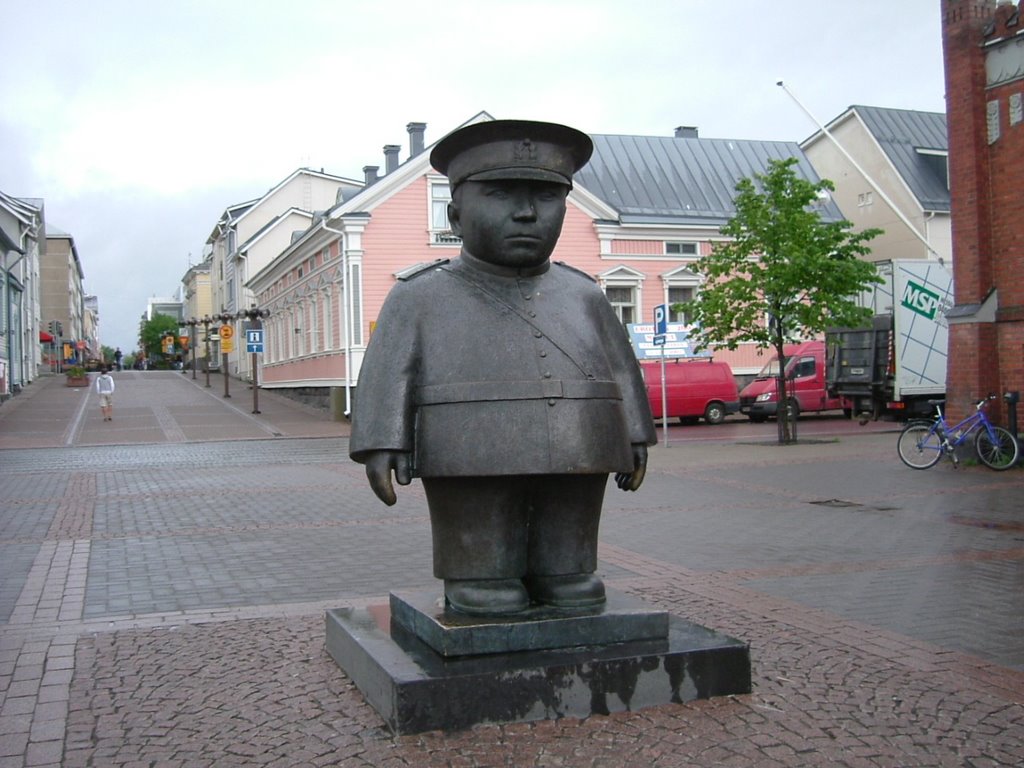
(76,381)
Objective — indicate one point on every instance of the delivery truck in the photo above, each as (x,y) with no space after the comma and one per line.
(897,363)
(805,384)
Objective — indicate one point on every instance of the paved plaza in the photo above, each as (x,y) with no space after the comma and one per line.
(164,577)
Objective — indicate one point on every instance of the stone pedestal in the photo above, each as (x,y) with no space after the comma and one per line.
(424,669)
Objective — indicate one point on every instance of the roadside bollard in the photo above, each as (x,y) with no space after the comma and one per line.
(1012,398)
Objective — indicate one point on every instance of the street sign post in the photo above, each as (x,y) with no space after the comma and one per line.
(660,335)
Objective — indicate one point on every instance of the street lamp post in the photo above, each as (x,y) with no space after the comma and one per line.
(225,319)
(192,323)
(206,322)
(255,317)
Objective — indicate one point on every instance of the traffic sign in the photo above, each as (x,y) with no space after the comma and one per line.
(254,349)
(254,336)
(661,319)
(226,332)
(658,339)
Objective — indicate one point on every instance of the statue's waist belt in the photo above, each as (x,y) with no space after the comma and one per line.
(546,389)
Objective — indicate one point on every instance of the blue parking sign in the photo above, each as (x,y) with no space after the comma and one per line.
(661,319)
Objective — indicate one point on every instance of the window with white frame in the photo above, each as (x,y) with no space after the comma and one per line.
(300,331)
(355,304)
(678,294)
(315,336)
(681,285)
(623,299)
(681,248)
(325,322)
(440,227)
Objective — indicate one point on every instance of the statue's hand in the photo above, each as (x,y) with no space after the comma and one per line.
(380,465)
(630,481)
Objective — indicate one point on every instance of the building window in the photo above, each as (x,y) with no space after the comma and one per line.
(681,249)
(328,326)
(355,302)
(623,301)
(440,228)
(678,294)
(865,199)
(315,336)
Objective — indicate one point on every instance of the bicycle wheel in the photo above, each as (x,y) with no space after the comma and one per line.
(919,446)
(998,454)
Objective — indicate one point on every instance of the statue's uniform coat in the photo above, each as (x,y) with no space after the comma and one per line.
(482,370)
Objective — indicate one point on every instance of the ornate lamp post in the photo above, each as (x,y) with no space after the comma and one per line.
(192,323)
(255,317)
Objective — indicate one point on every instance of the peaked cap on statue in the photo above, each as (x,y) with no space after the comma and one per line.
(512,149)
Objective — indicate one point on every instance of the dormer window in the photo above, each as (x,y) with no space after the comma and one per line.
(937,161)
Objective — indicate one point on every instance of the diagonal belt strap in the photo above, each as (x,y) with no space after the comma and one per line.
(483,391)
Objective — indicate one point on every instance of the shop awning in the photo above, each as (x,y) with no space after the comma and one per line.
(45,337)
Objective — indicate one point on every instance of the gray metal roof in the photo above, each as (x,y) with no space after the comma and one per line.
(668,180)
(901,133)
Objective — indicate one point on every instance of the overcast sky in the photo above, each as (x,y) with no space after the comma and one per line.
(138,122)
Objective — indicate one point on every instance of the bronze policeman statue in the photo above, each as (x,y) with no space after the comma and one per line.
(505,382)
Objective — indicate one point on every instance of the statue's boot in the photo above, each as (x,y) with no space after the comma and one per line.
(486,597)
(574,590)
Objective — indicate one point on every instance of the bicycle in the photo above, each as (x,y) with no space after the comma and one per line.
(922,444)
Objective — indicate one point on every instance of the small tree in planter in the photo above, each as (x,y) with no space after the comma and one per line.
(76,376)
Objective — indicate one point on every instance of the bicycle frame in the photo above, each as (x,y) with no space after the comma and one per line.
(957,434)
(922,444)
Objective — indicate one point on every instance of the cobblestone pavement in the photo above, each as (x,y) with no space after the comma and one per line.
(161,599)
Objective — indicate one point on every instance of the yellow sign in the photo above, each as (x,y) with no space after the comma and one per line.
(227,344)
(226,332)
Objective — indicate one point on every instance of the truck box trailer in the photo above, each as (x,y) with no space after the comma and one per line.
(895,364)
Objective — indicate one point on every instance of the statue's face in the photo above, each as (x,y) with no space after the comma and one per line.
(511,223)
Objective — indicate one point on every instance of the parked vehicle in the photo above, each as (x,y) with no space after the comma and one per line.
(695,388)
(805,384)
(896,364)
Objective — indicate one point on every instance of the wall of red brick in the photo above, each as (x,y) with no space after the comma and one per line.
(987,196)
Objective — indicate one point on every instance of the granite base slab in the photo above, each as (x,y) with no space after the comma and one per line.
(623,618)
(416,689)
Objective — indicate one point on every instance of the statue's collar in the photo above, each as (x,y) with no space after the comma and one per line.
(473,262)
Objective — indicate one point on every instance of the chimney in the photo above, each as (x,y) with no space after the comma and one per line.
(370,174)
(391,157)
(415,137)
(686,132)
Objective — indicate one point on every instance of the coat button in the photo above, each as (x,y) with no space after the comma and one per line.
(551,401)
(543,353)
(537,334)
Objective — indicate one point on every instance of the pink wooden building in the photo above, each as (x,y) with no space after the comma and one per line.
(641,212)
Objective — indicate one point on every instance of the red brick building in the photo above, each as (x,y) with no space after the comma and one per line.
(983,43)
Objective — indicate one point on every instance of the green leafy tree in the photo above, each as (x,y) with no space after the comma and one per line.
(153,331)
(107,354)
(784,274)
